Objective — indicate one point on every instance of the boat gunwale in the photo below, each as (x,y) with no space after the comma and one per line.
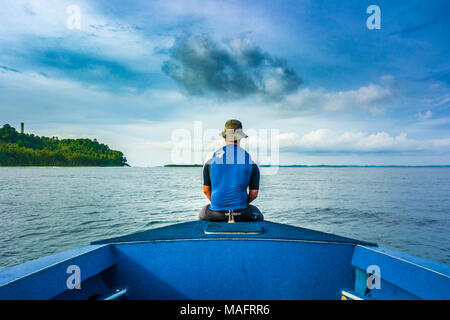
(99,246)
(404,260)
(233,239)
(197,230)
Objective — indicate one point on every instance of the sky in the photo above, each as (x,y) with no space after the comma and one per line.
(310,82)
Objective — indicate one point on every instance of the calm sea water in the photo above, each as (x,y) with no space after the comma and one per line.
(47,210)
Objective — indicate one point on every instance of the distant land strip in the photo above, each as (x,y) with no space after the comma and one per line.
(319,166)
(182,165)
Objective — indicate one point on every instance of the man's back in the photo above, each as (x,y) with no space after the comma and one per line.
(229,172)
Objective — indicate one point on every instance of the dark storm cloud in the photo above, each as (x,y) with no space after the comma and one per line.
(233,69)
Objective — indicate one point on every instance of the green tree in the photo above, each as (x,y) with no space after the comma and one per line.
(19,149)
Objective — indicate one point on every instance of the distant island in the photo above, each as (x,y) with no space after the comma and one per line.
(22,149)
(318,166)
(182,165)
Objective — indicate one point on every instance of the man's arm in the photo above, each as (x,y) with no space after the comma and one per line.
(207,180)
(252,194)
(253,185)
(207,191)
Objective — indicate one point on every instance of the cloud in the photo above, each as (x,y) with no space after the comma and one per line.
(234,69)
(434,17)
(35,97)
(90,69)
(104,53)
(424,116)
(441,76)
(438,100)
(5,69)
(326,141)
(413,28)
(370,97)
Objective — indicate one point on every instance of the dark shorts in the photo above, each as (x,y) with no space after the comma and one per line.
(251,213)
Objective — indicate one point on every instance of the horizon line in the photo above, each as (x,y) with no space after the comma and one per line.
(315,165)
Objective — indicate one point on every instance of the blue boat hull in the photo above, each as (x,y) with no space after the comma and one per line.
(251,261)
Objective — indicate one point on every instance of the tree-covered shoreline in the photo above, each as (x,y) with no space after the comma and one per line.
(22,149)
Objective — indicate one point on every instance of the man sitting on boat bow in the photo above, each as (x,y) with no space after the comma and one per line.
(226,177)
